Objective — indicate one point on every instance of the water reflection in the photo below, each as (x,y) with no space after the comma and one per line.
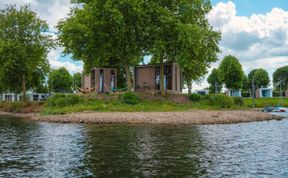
(38,149)
(144,151)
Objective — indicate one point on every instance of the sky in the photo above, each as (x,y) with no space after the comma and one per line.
(254,31)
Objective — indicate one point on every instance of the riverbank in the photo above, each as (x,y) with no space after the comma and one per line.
(189,117)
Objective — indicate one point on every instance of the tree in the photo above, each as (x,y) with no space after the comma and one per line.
(231,73)
(181,33)
(260,77)
(23,48)
(105,30)
(281,74)
(215,82)
(60,80)
(77,80)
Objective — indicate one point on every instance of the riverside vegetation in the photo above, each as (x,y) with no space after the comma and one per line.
(127,102)
(131,102)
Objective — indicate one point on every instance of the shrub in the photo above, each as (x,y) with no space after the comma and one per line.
(238,101)
(220,101)
(195,97)
(129,98)
(61,100)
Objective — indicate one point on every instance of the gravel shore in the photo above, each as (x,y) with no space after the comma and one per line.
(191,117)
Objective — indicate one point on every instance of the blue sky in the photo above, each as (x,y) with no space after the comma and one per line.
(249,7)
(255,31)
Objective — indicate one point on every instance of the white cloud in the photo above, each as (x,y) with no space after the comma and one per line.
(49,10)
(55,62)
(260,40)
(254,37)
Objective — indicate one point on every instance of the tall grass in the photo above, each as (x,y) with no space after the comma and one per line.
(263,102)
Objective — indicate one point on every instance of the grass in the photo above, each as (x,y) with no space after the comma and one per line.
(113,104)
(263,102)
(131,102)
(117,106)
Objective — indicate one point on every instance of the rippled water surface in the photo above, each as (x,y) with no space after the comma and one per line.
(38,149)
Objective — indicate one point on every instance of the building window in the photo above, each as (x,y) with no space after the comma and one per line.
(168,77)
(112,84)
(101,81)
(157,77)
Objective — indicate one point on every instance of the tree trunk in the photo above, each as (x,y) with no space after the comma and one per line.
(189,85)
(23,88)
(128,78)
(162,89)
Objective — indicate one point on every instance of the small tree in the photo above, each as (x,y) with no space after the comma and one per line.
(231,73)
(260,77)
(215,82)
(23,48)
(77,80)
(60,80)
(281,74)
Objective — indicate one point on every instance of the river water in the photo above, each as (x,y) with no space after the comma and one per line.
(39,149)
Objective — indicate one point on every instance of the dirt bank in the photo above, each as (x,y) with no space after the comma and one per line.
(191,117)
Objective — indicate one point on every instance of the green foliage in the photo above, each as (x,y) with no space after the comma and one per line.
(231,73)
(23,49)
(195,97)
(219,101)
(261,78)
(77,80)
(263,102)
(60,80)
(183,36)
(215,82)
(238,101)
(62,100)
(281,74)
(129,98)
(119,33)
(246,84)
(110,32)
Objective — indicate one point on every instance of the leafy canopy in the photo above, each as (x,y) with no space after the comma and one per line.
(281,74)
(231,73)
(106,32)
(60,80)
(179,32)
(23,49)
(214,81)
(261,78)
(77,80)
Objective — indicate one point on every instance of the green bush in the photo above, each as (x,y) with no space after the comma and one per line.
(219,101)
(61,100)
(129,98)
(238,101)
(195,97)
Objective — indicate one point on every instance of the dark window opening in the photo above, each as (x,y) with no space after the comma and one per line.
(101,81)
(112,84)
(167,77)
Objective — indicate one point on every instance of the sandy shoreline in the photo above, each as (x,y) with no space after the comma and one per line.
(190,117)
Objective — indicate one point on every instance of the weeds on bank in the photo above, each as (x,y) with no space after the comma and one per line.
(263,102)
(129,102)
